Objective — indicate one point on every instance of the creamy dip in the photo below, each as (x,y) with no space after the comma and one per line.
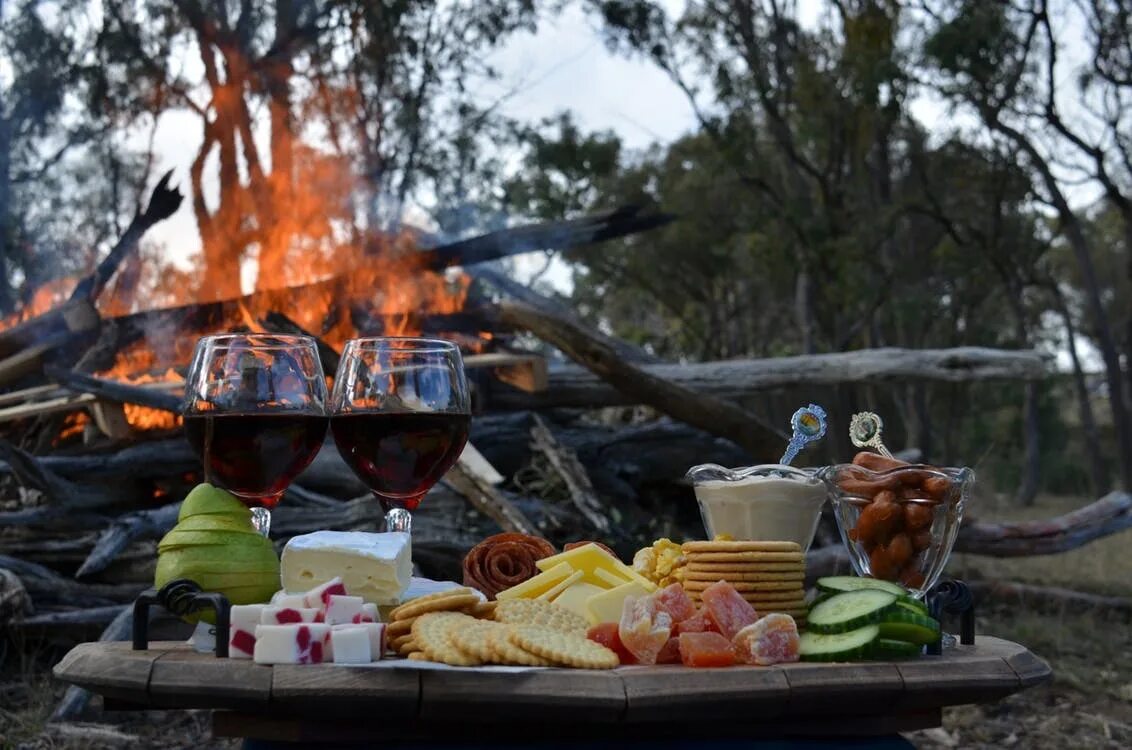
(762,508)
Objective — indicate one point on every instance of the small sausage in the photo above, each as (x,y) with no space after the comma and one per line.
(880,564)
(915,477)
(911,577)
(921,540)
(900,549)
(937,488)
(917,516)
(877,462)
(866,487)
(878,521)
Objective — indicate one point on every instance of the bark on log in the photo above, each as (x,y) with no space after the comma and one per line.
(707,412)
(576,387)
(153,459)
(1048,598)
(14,599)
(64,493)
(48,587)
(570,469)
(91,616)
(76,698)
(144,524)
(478,490)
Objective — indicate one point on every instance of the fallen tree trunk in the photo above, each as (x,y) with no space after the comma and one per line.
(1109,515)
(577,387)
(1048,598)
(708,412)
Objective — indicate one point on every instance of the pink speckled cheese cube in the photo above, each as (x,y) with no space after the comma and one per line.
(319,596)
(342,609)
(368,613)
(242,622)
(274,615)
(292,644)
(350,645)
(290,601)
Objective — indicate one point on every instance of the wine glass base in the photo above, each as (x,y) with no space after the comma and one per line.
(261,520)
(398,519)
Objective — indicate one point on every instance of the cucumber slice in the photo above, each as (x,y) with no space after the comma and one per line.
(915,606)
(900,624)
(849,611)
(840,584)
(889,648)
(854,644)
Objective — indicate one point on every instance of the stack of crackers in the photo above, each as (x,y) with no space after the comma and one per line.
(769,575)
(457,628)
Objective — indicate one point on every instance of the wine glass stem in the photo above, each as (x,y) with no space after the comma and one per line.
(261,520)
(398,519)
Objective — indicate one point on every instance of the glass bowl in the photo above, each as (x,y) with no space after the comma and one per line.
(899,525)
(769,502)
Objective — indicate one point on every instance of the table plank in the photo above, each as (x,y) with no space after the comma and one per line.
(329,690)
(967,674)
(183,678)
(841,689)
(598,696)
(109,668)
(677,693)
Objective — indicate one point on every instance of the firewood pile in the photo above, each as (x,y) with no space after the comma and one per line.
(93,465)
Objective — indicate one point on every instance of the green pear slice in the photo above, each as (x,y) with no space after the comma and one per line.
(179,539)
(216,523)
(205,499)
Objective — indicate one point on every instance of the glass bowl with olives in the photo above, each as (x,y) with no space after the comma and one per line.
(898,520)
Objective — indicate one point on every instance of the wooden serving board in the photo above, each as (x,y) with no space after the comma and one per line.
(309,702)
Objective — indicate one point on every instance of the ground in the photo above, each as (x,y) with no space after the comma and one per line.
(1087,705)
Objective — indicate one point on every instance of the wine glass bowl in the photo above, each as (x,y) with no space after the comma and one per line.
(899,525)
(256,413)
(400,417)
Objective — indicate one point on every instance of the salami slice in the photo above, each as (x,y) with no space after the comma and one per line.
(504,560)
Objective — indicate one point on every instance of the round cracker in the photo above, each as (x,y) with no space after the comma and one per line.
(503,651)
(741,546)
(483,610)
(399,628)
(425,605)
(747,586)
(744,557)
(539,612)
(760,596)
(395,613)
(433,634)
(748,567)
(471,638)
(750,577)
(563,648)
(399,641)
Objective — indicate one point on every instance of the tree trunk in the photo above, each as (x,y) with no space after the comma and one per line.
(7,303)
(1098,472)
(1032,463)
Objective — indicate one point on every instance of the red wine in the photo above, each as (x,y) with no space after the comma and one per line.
(400,456)
(255,456)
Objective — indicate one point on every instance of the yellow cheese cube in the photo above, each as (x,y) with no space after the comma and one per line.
(575,597)
(591,558)
(561,586)
(532,587)
(606,606)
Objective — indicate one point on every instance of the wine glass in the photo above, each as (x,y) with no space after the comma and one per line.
(400,417)
(255,412)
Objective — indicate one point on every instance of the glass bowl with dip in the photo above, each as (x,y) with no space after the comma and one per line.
(769,502)
(899,524)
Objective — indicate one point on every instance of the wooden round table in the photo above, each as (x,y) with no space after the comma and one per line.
(401,701)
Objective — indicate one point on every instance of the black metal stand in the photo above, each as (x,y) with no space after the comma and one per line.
(953,597)
(181,597)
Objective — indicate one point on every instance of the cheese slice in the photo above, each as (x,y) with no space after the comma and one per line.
(376,567)
(590,558)
(561,586)
(532,587)
(575,597)
(607,606)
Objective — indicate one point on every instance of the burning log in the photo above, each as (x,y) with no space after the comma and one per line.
(111,390)
(578,387)
(707,412)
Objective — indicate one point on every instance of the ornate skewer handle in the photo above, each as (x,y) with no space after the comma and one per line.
(953,597)
(181,597)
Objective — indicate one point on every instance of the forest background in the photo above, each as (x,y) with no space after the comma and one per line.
(817,212)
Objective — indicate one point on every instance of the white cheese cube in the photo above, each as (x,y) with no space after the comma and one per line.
(292,644)
(273,615)
(350,645)
(368,613)
(375,631)
(242,622)
(376,567)
(343,609)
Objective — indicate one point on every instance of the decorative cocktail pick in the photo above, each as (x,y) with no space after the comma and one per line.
(864,431)
(808,424)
